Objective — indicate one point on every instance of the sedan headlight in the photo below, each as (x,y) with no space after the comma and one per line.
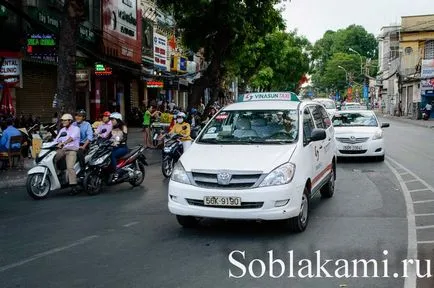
(279,176)
(378,135)
(179,174)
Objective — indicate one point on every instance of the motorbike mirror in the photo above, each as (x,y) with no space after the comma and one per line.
(63,134)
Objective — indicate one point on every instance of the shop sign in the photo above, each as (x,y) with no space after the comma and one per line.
(82,75)
(160,51)
(427,84)
(42,47)
(154,84)
(86,33)
(103,70)
(178,64)
(123,17)
(11,71)
(427,69)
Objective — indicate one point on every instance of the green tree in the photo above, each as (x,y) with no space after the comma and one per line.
(222,27)
(336,77)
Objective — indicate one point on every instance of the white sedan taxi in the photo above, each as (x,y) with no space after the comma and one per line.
(329,105)
(359,134)
(262,158)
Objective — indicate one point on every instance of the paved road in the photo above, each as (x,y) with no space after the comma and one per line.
(126,237)
(411,155)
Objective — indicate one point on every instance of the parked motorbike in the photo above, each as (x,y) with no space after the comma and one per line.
(173,150)
(425,114)
(131,168)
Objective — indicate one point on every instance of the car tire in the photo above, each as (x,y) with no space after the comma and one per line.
(299,223)
(187,221)
(381,158)
(328,190)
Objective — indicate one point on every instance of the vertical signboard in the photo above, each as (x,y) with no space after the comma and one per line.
(122,29)
(11,72)
(160,51)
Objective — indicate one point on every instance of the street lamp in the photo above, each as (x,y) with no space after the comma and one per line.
(361,59)
(346,72)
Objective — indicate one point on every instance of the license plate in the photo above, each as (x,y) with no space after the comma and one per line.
(221,201)
(353,147)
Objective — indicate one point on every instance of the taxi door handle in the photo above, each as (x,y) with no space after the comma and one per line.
(320,146)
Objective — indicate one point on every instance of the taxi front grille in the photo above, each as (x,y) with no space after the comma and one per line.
(352,140)
(238,181)
(352,152)
(244,205)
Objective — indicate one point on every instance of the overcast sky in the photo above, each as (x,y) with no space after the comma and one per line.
(313,17)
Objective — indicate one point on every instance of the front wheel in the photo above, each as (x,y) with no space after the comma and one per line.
(92,183)
(167,166)
(299,223)
(140,175)
(35,188)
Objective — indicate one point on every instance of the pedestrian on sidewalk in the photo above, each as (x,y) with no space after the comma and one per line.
(400,108)
(147,126)
(428,108)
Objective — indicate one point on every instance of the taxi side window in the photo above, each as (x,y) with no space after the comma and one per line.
(308,126)
(318,117)
(325,117)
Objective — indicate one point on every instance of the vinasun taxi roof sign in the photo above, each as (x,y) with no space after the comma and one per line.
(269,96)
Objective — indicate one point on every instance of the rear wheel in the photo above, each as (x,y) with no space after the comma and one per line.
(187,221)
(167,167)
(92,183)
(328,190)
(299,223)
(140,175)
(35,188)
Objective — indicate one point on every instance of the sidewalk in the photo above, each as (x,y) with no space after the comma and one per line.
(405,119)
(17,176)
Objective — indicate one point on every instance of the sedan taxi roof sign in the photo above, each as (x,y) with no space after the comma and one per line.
(269,96)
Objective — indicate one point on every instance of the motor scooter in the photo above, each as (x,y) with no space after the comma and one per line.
(425,114)
(44,177)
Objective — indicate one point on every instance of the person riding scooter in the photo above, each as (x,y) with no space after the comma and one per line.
(86,135)
(68,146)
(182,128)
(105,126)
(119,140)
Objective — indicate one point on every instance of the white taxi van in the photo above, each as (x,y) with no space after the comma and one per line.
(262,158)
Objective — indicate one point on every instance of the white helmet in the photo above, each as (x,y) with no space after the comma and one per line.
(67,117)
(181,114)
(116,115)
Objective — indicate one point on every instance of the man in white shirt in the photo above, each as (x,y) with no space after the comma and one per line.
(428,108)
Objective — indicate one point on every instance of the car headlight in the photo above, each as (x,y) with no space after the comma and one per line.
(279,176)
(179,174)
(378,135)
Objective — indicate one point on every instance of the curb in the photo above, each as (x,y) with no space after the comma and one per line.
(410,121)
(21,181)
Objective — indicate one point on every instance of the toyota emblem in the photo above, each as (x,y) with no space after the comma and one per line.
(223,178)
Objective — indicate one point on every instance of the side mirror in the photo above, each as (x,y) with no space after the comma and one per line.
(318,135)
(63,134)
(385,125)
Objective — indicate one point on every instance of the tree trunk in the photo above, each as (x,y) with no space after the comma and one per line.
(66,68)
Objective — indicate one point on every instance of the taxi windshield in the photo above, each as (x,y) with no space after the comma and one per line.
(328,104)
(252,127)
(355,119)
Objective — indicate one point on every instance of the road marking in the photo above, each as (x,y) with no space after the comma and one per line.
(423,201)
(419,190)
(47,253)
(425,242)
(405,173)
(425,227)
(131,224)
(410,181)
(410,281)
(424,214)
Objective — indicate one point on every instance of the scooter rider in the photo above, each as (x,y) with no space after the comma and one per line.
(119,140)
(106,125)
(68,147)
(182,128)
(86,135)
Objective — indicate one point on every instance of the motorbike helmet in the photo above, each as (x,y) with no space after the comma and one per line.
(106,114)
(193,111)
(116,115)
(81,112)
(180,115)
(67,117)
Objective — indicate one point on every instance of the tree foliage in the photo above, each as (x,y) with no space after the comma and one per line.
(222,27)
(276,62)
(334,50)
